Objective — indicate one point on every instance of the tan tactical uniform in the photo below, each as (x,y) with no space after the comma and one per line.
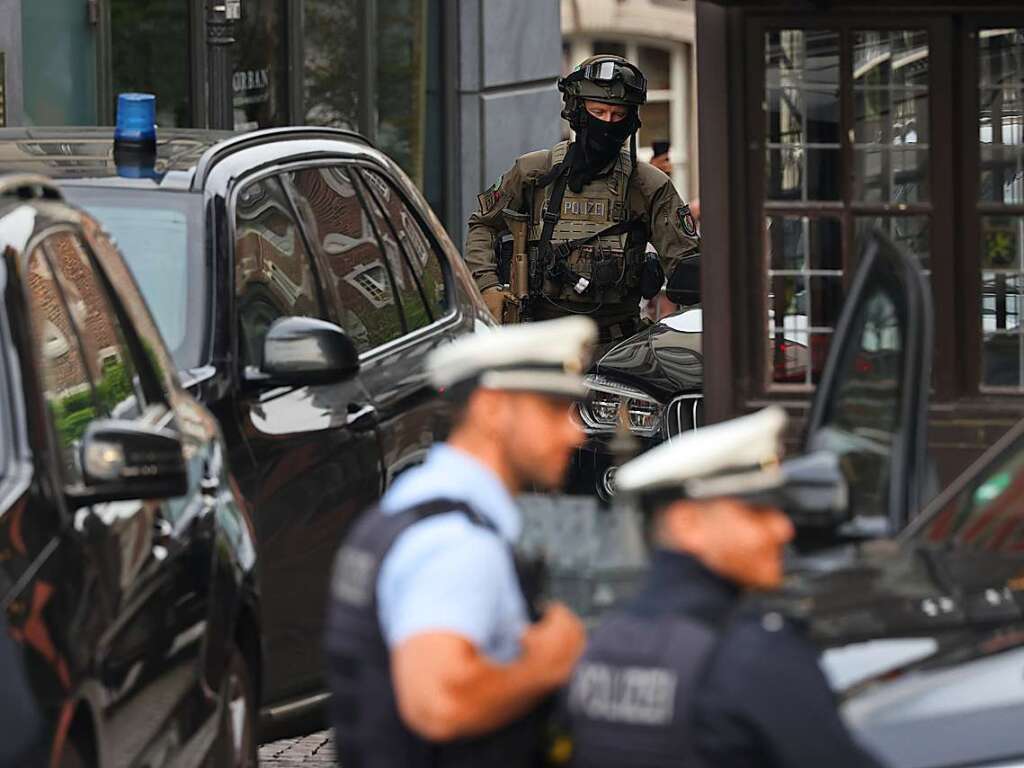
(644,196)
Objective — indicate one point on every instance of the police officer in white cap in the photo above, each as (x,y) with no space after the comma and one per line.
(689,673)
(433,656)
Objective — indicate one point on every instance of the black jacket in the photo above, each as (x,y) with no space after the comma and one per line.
(762,699)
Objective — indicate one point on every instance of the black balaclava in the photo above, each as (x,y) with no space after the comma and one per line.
(598,142)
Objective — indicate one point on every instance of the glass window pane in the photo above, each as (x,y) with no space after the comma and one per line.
(273,274)
(909,232)
(149,49)
(805,55)
(1001,360)
(802,115)
(826,300)
(787,303)
(656,64)
(332,68)
(65,377)
(801,173)
(1001,115)
(1002,174)
(801,243)
(104,349)
(356,277)
(891,128)
(1002,300)
(655,117)
(395,239)
(410,111)
(1001,242)
(1000,57)
(418,248)
(891,174)
(864,416)
(260,81)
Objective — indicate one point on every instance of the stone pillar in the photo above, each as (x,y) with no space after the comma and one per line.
(510,55)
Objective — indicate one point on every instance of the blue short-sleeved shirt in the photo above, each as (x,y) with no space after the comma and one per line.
(446,573)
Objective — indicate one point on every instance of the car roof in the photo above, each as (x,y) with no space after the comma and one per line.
(86,154)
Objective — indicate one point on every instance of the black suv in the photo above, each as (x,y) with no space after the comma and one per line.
(126,560)
(276,264)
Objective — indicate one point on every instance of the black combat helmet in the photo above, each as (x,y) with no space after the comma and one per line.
(606,78)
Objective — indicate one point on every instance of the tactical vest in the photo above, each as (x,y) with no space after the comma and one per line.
(630,697)
(369,731)
(604,269)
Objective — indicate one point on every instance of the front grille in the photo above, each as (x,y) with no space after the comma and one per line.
(684,413)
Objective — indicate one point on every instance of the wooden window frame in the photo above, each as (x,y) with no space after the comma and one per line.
(752,358)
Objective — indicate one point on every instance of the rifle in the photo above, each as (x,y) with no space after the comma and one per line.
(515,308)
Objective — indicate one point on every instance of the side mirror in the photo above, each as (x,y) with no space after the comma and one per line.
(814,492)
(123,460)
(300,351)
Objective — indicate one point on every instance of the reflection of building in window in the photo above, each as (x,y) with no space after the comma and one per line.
(372,282)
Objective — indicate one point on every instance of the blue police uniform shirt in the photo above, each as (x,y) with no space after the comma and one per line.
(446,573)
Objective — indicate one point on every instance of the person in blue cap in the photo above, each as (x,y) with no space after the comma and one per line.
(438,654)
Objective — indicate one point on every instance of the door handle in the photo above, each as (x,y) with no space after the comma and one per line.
(361,418)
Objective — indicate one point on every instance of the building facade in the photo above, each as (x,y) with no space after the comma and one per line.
(453,90)
(658,36)
(822,120)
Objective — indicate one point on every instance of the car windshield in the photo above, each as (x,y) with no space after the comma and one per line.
(160,235)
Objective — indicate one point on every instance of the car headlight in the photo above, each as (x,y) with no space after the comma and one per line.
(609,402)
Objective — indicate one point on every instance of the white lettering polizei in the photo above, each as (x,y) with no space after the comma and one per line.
(633,695)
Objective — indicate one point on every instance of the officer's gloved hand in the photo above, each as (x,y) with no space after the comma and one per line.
(684,284)
(652,276)
(495,299)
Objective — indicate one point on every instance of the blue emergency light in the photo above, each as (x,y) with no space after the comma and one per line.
(136,118)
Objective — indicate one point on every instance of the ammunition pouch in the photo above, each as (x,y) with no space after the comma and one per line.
(590,273)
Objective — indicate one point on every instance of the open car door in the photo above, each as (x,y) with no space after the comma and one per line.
(871,406)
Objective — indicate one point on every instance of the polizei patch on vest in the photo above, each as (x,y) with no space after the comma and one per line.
(685,221)
(632,695)
(585,209)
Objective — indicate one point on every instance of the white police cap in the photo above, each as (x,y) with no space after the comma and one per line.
(739,457)
(548,357)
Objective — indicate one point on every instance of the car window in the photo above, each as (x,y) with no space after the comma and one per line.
(274,275)
(160,235)
(66,383)
(988,516)
(415,264)
(356,276)
(863,417)
(103,344)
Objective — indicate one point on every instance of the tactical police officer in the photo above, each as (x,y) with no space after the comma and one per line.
(437,652)
(687,674)
(589,209)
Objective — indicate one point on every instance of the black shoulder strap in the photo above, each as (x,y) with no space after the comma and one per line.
(443,506)
(553,207)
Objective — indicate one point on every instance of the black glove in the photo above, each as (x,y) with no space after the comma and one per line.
(684,285)
(652,276)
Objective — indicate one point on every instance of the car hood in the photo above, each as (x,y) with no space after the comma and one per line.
(664,360)
(928,673)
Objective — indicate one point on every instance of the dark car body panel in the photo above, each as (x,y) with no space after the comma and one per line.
(125,609)
(661,361)
(307,459)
